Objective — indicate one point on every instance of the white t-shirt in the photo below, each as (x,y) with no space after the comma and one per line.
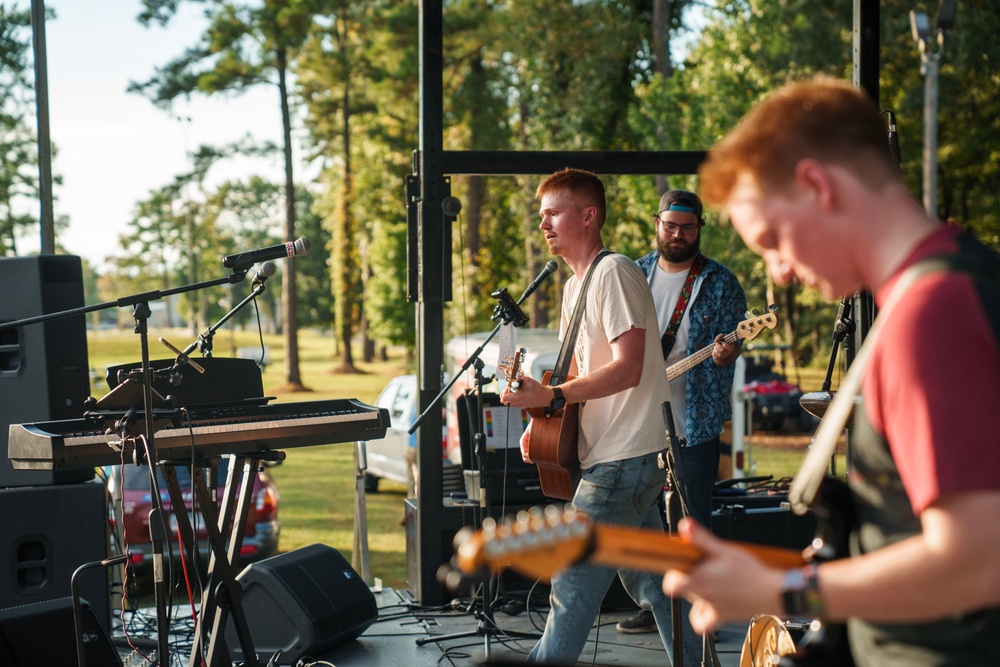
(666,287)
(629,423)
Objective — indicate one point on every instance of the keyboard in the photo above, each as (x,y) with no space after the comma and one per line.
(217,430)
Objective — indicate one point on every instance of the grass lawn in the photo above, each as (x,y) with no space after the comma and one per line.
(317,483)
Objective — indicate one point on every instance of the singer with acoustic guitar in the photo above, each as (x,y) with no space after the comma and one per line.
(616,386)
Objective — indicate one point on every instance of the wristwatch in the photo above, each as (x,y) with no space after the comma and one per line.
(558,400)
(800,593)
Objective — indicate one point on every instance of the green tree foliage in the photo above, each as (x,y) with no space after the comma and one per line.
(542,75)
(18,152)
(968,111)
(747,48)
(358,77)
(244,45)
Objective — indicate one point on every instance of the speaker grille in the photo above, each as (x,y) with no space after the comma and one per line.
(303,603)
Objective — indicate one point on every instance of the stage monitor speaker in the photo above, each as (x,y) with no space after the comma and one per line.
(44,371)
(302,603)
(763,520)
(44,633)
(48,532)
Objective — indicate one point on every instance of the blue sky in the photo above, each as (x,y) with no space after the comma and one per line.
(113,148)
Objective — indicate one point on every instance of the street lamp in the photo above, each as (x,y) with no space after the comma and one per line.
(930,56)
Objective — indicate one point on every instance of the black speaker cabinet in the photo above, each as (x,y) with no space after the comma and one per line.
(303,602)
(44,633)
(763,520)
(48,532)
(44,371)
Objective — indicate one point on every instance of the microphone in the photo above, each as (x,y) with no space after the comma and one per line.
(893,138)
(550,267)
(266,270)
(246,259)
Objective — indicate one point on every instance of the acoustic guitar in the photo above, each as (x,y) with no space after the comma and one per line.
(552,438)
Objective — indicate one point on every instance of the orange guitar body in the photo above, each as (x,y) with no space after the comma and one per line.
(552,447)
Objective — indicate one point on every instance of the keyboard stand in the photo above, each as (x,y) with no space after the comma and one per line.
(222,593)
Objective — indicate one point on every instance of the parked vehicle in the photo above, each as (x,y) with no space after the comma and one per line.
(386,457)
(774,401)
(133,502)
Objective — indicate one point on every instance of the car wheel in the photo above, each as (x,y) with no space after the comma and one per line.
(371,483)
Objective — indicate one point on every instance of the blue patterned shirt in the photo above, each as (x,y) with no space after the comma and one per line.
(718,307)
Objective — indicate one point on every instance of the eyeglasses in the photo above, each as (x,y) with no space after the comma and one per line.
(671,228)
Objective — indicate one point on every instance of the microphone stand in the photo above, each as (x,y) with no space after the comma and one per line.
(205,339)
(670,460)
(843,335)
(505,312)
(141,313)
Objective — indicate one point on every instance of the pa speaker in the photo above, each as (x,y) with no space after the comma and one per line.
(44,633)
(44,371)
(302,603)
(48,532)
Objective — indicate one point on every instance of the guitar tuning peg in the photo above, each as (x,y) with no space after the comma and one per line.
(756,312)
(773,307)
(746,315)
(552,515)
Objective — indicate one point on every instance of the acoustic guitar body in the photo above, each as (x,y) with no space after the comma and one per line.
(552,447)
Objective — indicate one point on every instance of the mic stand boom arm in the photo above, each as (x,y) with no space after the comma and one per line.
(507,312)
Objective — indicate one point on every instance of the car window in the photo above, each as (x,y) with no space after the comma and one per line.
(403,402)
(398,398)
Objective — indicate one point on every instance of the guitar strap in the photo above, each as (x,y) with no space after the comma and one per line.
(669,336)
(809,477)
(569,343)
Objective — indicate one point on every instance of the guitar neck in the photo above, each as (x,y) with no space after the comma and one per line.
(652,551)
(674,371)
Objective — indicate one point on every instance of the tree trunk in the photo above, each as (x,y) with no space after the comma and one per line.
(289,296)
(663,68)
(343,257)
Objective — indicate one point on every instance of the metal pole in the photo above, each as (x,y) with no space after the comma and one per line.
(931,67)
(46,218)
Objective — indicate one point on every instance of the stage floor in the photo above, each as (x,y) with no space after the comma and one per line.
(409,635)
(404,636)
(394,639)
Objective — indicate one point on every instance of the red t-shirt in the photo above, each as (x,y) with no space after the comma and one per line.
(933,384)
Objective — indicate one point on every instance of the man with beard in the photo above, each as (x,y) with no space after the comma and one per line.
(697,300)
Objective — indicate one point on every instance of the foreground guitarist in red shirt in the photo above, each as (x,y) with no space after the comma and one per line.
(618,388)
(809,183)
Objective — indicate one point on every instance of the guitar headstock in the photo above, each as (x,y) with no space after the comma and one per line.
(512,369)
(751,327)
(537,543)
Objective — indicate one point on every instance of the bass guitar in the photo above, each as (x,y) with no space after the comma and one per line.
(746,330)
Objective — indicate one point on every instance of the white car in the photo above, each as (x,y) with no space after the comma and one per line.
(386,458)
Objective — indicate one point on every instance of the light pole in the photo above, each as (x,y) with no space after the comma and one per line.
(930,57)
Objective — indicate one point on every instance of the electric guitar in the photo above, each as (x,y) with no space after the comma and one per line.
(746,330)
(540,543)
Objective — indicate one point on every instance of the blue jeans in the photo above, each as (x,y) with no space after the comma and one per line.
(700,464)
(621,492)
